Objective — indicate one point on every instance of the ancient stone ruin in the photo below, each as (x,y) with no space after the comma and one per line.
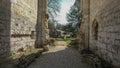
(23,24)
(100,28)
(23,27)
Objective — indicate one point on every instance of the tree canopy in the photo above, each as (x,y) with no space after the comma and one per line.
(74,18)
(54,7)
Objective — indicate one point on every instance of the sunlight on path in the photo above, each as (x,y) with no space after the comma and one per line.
(59,57)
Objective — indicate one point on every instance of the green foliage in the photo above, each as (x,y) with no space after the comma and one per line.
(54,6)
(68,40)
(74,18)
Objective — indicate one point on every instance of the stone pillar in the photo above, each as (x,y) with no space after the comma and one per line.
(42,25)
(85,21)
(5,21)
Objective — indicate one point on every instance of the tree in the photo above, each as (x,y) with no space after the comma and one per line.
(54,7)
(74,18)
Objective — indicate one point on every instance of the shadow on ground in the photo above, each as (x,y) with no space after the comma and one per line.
(60,57)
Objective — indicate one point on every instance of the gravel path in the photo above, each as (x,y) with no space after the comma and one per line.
(59,57)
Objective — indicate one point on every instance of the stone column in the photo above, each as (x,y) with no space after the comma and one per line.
(41,26)
(85,21)
(5,22)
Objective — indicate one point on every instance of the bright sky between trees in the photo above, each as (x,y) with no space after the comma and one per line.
(65,7)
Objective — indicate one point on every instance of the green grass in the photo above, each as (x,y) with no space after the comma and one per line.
(68,40)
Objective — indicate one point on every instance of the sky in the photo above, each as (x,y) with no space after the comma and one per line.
(65,7)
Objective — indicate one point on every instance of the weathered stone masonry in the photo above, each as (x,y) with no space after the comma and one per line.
(84,30)
(41,32)
(19,24)
(104,26)
(5,18)
(23,21)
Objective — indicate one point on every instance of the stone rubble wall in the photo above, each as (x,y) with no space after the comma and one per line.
(104,28)
(84,25)
(19,28)
(23,21)
(42,25)
(107,15)
(5,18)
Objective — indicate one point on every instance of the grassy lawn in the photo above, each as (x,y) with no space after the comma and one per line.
(68,40)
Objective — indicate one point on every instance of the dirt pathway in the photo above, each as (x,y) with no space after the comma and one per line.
(61,43)
(59,57)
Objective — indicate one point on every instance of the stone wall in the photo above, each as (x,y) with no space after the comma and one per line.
(42,24)
(105,29)
(85,21)
(23,21)
(5,18)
